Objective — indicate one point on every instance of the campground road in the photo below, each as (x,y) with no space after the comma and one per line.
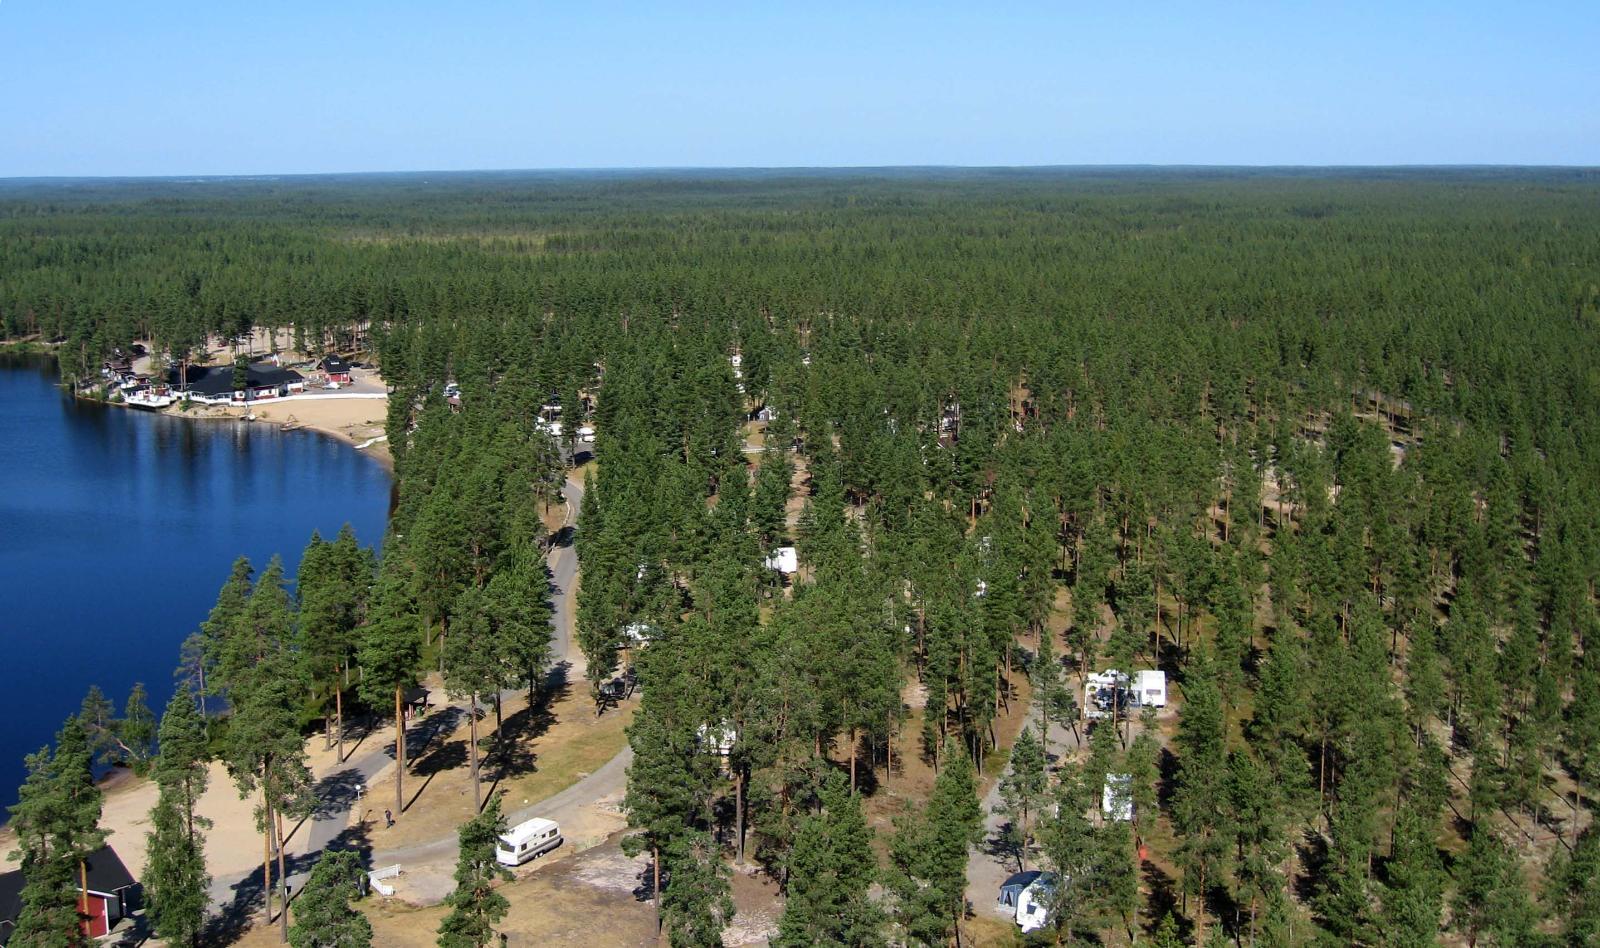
(338,794)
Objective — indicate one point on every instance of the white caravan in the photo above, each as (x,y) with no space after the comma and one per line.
(784,559)
(1033,903)
(526,841)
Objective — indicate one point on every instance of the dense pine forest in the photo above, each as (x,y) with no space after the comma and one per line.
(1323,447)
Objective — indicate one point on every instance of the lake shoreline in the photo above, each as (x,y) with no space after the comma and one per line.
(322,416)
(331,418)
(159,509)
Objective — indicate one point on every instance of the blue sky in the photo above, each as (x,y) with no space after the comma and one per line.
(223,87)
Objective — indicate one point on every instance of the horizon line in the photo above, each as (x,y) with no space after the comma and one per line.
(863,168)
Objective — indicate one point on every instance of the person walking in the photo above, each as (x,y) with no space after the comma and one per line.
(388,820)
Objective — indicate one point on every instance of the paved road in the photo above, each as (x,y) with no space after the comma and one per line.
(337,791)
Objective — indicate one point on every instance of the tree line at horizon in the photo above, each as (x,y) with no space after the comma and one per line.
(1175,406)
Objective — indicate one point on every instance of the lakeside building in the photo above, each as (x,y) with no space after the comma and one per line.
(113,894)
(336,369)
(214,385)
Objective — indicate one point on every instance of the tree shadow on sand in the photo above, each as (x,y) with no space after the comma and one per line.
(512,751)
(448,757)
(231,920)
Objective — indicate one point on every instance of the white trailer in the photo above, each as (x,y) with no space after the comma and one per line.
(784,559)
(639,634)
(1105,694)
(527,841)
(1031,895)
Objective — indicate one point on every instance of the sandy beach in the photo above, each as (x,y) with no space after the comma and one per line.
(355,421)
(354,413)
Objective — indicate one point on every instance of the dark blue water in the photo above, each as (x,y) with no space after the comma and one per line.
(117,527)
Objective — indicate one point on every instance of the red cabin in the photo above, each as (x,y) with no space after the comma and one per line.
(112,895)
(336,369)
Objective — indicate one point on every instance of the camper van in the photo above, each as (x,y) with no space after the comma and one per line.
(527,840)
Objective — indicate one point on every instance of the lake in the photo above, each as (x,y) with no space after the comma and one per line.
(117,528)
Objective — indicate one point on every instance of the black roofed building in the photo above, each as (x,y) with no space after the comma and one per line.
(112,894)
(214,385)
(335,368)
(10,902)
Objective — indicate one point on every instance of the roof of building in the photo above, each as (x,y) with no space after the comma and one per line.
(10,901)
(106,872)
(218,379)
(107,876)
(334,363)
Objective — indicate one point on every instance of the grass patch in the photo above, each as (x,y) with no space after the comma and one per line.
(568,756)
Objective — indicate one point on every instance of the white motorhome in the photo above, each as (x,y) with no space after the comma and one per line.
(526,841)
(1116,799)
(639,634)
(1150,689)
(784,559)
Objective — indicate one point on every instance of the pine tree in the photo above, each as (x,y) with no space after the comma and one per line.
(1116,877)
(670,778)
(697,904)
(1166,935)
(136,732)
(389,649)
(323,915)
(472,668)
(1574,895)
(56,821)
(333,586)
(1023,790)
(99,717)
(831,868)
(51,914)
(1071,848)
(1490,901)
(1261,845)
(261,670)
(475,906)
(1049,691)
(1413,893)
(1199,812)
(175,879)
(929,853)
